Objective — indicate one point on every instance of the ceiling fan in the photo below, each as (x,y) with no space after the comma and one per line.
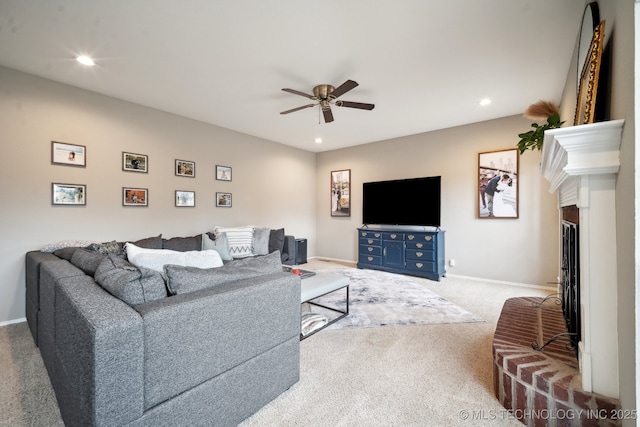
(326,95)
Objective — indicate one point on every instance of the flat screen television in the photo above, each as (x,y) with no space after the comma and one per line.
(414,201)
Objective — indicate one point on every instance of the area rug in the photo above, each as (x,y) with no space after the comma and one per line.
(378,298)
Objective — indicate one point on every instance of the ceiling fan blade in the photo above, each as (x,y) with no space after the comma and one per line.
(359,105)
(297,92)
(343,88)
(328,115)
(299,108)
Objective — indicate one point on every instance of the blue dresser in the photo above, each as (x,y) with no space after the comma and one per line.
(417,253)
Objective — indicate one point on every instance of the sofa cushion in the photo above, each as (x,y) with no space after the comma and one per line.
(183,244)
(276,240)
(129,283)
(149,242)
(240,240)
(181,280)
(65,253)
(87,260)
(261,241)
(219,244)
(155,259)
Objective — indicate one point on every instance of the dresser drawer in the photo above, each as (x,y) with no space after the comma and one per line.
(370,250)
(369,259)
(420,255)
(369,234)
(392,236)
(366,241)
(428,266)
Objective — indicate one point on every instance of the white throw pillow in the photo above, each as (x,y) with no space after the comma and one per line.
(240,240)
(155,259)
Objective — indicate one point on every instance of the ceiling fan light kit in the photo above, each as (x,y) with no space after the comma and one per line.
(326,95)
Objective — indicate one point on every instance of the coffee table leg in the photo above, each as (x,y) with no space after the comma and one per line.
(343,313)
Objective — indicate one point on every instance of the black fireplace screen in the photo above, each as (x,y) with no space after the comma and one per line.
(571,281)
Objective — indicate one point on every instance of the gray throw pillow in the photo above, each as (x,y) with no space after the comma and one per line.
(261,241)
(87,260)
(129,283)
(181,280)
(219,244)
(107,248)
(150,242)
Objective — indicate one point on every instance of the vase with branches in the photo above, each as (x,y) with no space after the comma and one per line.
(541,110)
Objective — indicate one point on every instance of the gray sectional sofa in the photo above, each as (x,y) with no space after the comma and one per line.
(216,347)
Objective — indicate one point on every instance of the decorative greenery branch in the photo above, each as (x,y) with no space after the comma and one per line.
(534,138)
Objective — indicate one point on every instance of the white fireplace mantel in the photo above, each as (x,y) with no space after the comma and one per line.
(581,163)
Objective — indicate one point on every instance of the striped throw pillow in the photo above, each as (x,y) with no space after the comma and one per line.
(240,240)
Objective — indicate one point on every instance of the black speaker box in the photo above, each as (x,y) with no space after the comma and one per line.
(301,251)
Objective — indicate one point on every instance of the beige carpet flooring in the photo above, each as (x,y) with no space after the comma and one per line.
(422,375)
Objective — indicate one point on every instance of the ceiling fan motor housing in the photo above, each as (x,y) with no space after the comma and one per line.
(322,92)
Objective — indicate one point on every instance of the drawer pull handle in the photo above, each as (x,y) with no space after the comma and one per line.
(364,234)
(393,236)
(370,249)
(377,234)
(427,238)
(419,254)
(370,258)
(411,237)
(370,241)
(419,245)
(419,265)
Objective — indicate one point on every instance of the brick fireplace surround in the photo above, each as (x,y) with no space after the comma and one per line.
(543,388)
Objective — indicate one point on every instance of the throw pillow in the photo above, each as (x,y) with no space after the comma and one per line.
(87,260)
(52,247)
(276,240)
(181,280)
(128,283)
(240,240)
(107,248)
(150,242)
(220,245)
(155,259)
(261,241)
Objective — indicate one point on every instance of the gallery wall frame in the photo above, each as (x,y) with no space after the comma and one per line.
(185,168)
(341,193)
(68,194)
(224,200)
(223,173)
(133,162)
(498,178)
(68,154)
(135,196)
(185,198)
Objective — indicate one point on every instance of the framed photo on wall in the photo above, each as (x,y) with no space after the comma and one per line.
(68,194)
(223,173)
(185,168)
(185,198)
(498,184)
(340,193)
(135,196)
(132,162)
(68,154)
(223,200)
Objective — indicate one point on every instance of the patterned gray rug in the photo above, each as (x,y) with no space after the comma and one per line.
(378,298)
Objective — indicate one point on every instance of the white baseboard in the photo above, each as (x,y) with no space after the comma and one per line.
(10,322)
(553,289)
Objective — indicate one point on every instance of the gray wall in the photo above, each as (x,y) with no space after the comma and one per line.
(523,250)
(272,184)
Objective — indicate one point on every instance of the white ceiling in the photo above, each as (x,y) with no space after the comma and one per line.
(425,64)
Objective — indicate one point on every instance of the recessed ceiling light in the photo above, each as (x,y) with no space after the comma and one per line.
(318,140)
(85,60)
(485,101)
